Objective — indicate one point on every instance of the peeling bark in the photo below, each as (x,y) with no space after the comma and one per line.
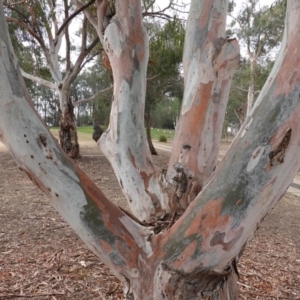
(105,229)
(209,61)
(190,249)
(124,143)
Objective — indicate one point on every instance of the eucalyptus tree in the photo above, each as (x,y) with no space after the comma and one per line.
(188,225)
(95,106)
(46,24)
(259,30)
(237,106)
(166,49)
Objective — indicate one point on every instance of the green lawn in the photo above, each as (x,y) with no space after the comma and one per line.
(155,133)
(87,129)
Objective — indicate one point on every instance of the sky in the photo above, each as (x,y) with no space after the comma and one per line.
(164,3)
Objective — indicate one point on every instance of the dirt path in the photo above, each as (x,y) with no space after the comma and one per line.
(41,257)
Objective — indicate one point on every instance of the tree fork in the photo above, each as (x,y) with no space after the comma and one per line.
(195,257)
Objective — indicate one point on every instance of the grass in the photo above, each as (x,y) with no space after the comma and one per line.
(84,129)
(155,132)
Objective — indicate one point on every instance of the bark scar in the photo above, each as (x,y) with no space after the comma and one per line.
(277,156)
(43,140)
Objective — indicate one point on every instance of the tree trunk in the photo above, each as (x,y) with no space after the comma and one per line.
(250,95)
(209,62)
(162,283)
(68,130)
(192,255)
(148,133)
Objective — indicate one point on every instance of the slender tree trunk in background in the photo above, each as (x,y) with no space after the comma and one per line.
(67,122)
(250,95)
(241,112)
(148,133)
(182,254)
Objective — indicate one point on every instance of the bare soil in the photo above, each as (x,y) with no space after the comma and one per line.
(41,257)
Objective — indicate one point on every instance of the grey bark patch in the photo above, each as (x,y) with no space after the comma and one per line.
(255,157)
(12,71)
(218,239)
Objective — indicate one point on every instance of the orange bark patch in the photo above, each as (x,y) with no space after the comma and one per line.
(190,124)
(208,222)
(108,248)
(111,216)
(286,79)
(132,158)
(146,178)
(186,253)
(206,13)
(239,202)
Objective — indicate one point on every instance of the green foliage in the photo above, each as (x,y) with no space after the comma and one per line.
(93,79)
(164,69)
(162,139)
(166,112)
(239,87)
(157,132)
(260,30)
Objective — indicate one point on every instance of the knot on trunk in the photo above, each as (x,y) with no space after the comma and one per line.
(180,180)
(185,188)
(97,132)
(277,155)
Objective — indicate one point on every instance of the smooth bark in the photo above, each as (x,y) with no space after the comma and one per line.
(188,256)
(209,61)
(124,143)
(50,45)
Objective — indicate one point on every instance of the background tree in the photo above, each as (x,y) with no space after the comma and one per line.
(259,30)
(166,48)
(186,231)
(46,24)
(237,104)
(92,107)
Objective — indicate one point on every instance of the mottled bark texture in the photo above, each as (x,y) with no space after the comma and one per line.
(210,59)
(180,253)
(68,130)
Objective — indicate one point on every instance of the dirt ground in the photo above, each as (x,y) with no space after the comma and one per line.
(41,257)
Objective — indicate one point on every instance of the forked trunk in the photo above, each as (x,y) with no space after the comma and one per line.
(169,285)
(190,254)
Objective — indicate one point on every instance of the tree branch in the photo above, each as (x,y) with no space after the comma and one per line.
(78,64)
(73,15)
(89,16)
(205,100)
(67,37)
(250,180)
(101,12)
(39,80)
(107,231)
(92,98)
